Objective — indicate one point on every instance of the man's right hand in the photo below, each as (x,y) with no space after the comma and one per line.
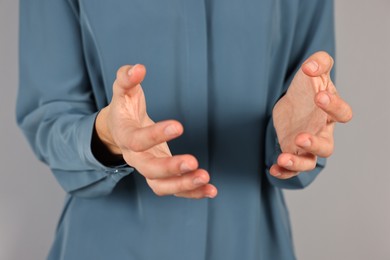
(126,129)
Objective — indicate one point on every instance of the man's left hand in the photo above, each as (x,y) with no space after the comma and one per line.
(304,118)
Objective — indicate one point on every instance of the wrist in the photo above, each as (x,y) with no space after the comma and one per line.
(103,132)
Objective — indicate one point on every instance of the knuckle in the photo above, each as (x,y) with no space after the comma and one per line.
(155,136)
(135,145)
(152,171)
(312,165)
(158,191)
(328,152)
(323,147)
(149,176)
(180,185)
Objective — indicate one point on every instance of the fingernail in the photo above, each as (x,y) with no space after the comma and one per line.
(130,72)
(324,99)
(312,65)
(289,163)
(198,181)
(171,130)
(184,167)
(306,143)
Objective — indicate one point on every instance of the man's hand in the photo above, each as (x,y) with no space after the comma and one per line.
(305,116)
(126,129)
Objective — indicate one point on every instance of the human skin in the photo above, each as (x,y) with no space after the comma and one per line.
(305,117)
(304,120)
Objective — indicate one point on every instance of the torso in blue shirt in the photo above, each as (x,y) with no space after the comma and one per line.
(217,66)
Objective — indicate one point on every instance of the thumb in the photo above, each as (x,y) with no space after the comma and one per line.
(128,79)
(318,64)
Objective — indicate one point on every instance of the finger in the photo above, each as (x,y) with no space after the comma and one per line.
(282,173)
(205,191)
(321,145)
(144,138)
(179,184)
(318,64)
(297,163)
(154,168)
(128,79)
(334,106)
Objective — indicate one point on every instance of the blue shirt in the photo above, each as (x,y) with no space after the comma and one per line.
(217,66)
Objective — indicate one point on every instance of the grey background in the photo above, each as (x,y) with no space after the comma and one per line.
(345,214)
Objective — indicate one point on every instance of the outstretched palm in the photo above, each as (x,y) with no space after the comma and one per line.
(304,117)
(125,128)
(298,113)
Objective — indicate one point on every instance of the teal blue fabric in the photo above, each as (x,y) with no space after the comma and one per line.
(217,66)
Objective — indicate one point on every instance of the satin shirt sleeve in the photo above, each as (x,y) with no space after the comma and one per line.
(56,108)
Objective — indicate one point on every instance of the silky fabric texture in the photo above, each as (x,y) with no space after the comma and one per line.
(217,66)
